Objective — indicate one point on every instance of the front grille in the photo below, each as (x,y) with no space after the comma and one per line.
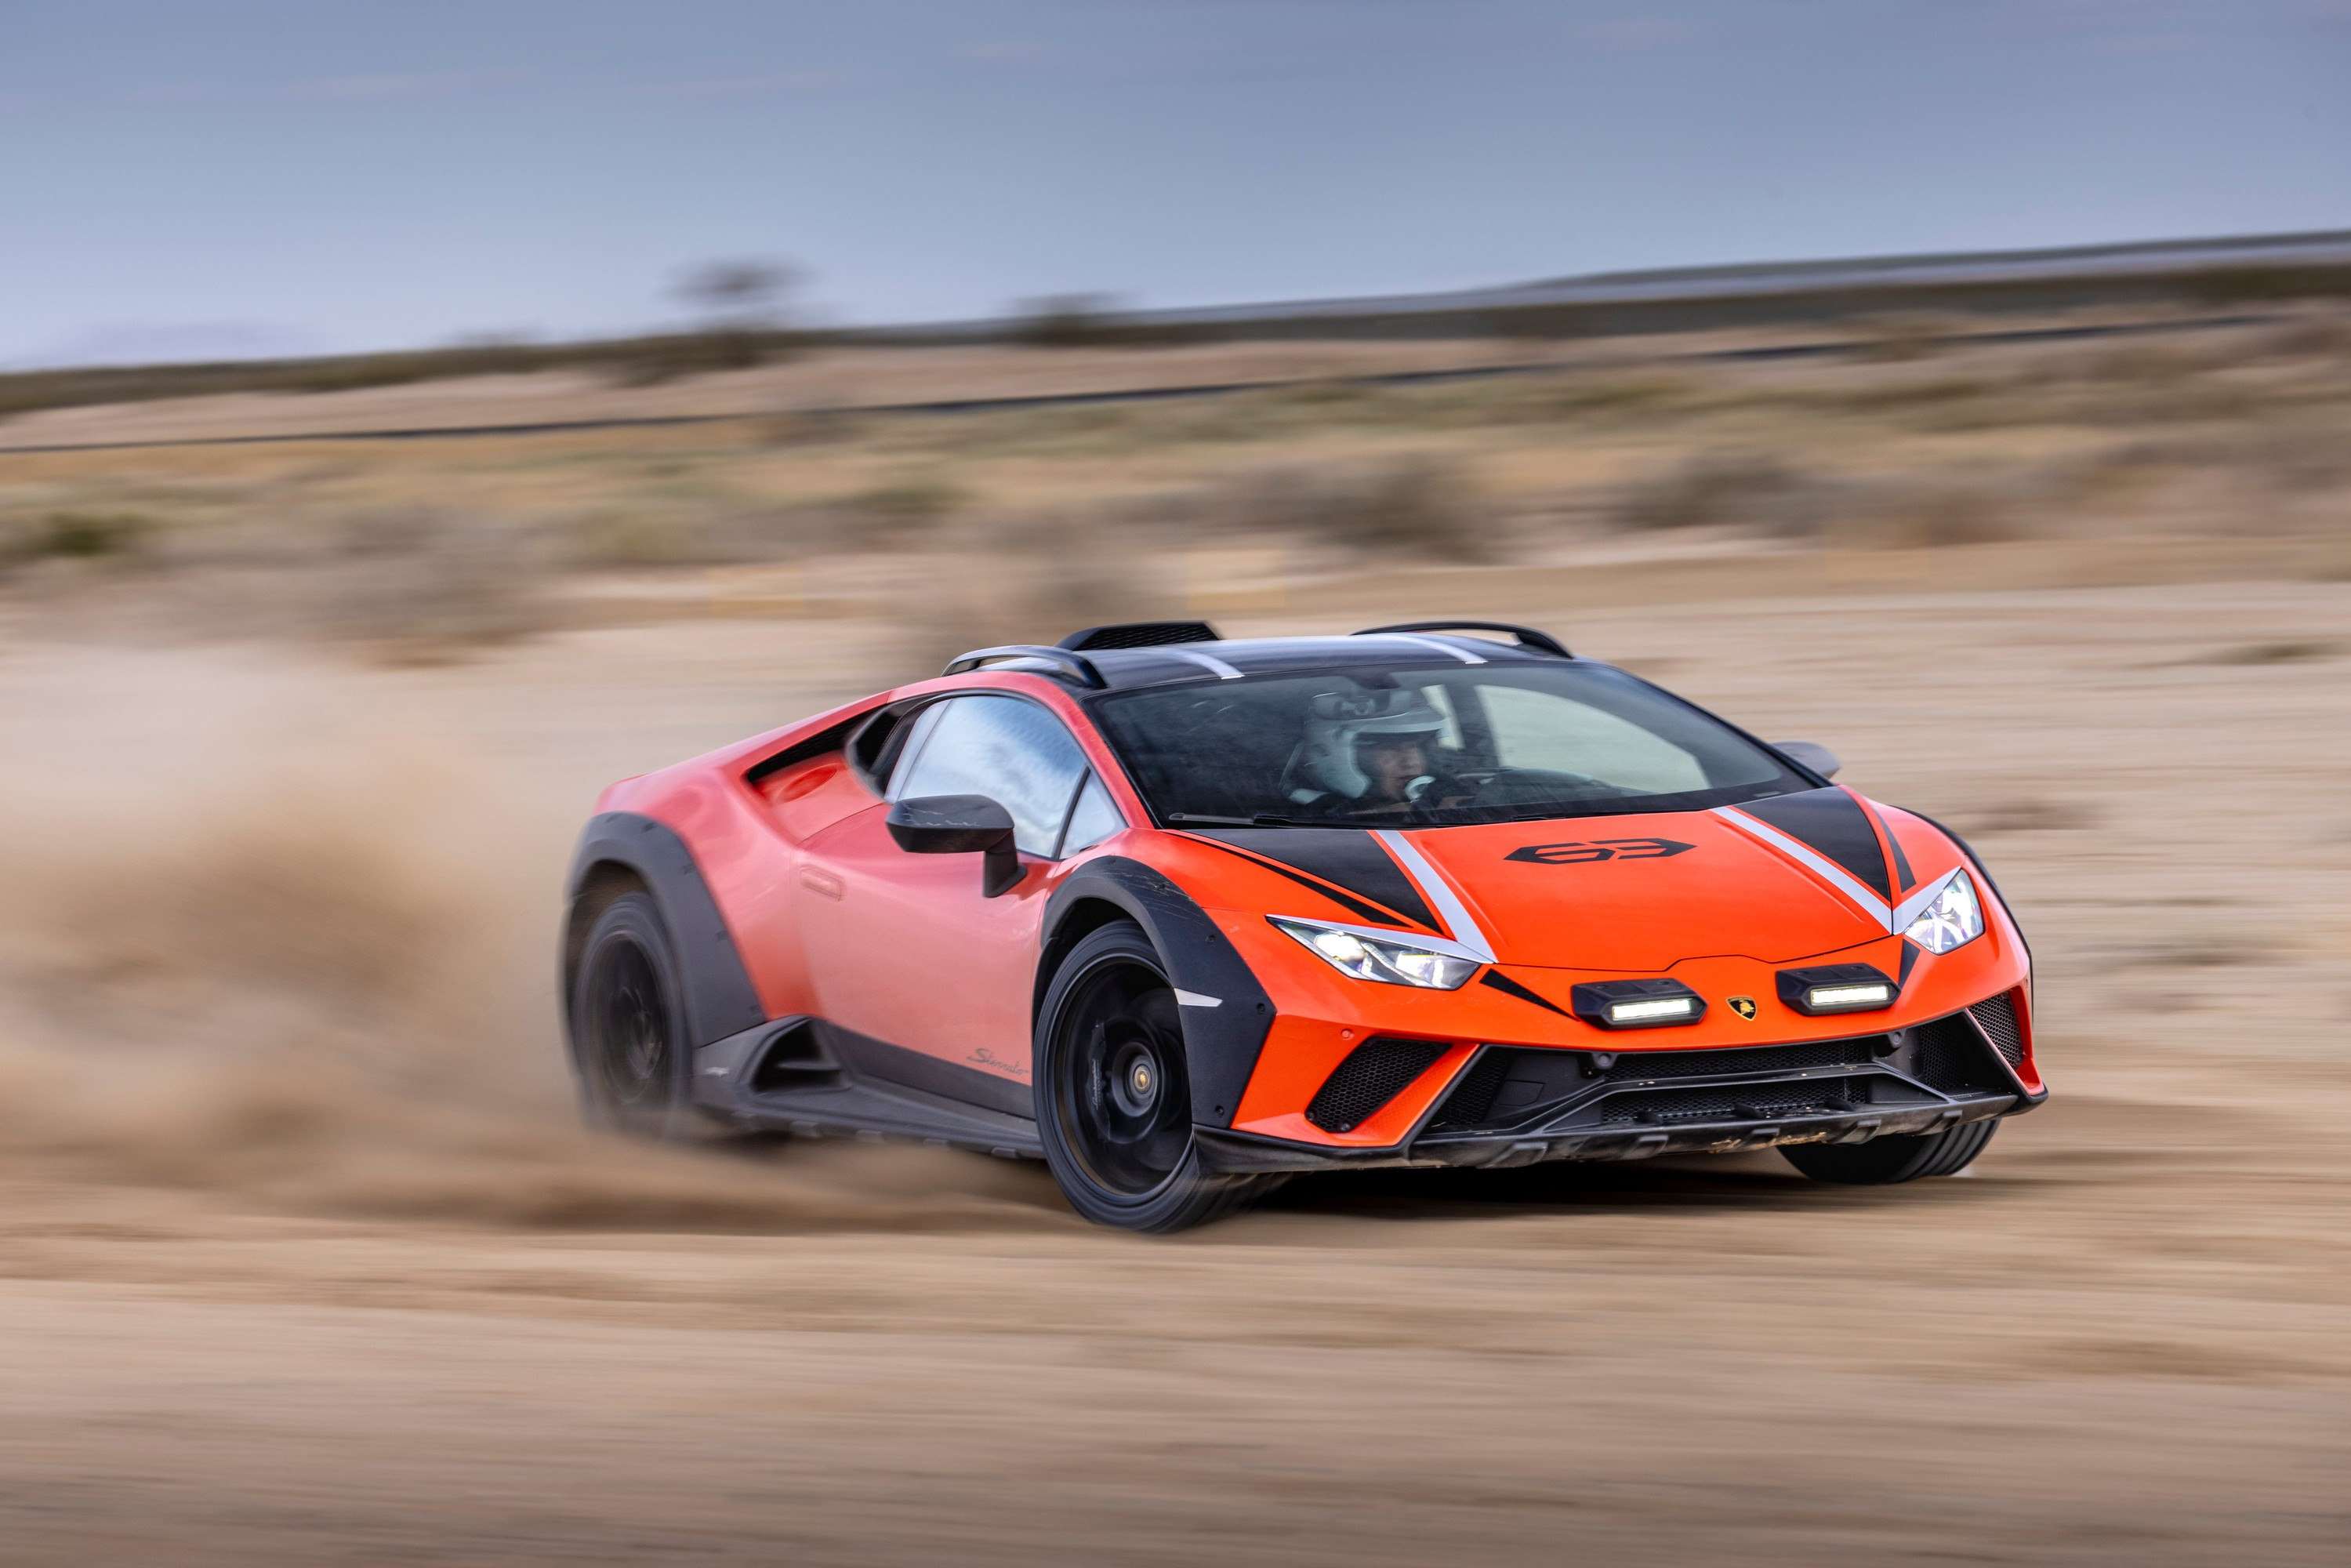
(1996,1015)
(1374,1072)
(1745,1058)
(1509,1085)
(1739,1102)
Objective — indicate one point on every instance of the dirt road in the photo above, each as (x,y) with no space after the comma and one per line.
(299,1260)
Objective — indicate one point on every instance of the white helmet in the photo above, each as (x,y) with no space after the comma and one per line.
(1336,720)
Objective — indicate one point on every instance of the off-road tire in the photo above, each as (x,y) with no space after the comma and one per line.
(1897,1157)
(628,1023)
(1113,1103)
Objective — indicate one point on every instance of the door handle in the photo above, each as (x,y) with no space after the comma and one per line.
(817,880)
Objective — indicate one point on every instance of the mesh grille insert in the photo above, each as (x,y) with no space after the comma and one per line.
(1473,1099)
(1950,1056)
(1738,1102)
(1996,1015)
(1374,1072)
(1637,1064)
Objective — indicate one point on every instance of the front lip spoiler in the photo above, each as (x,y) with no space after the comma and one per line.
(1239,1152)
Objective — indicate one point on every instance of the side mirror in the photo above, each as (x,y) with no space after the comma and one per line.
(1812,755)
(960,825)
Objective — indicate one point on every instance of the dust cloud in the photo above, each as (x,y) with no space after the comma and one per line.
(260,946)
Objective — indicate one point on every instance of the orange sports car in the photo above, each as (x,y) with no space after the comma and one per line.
(1180,915)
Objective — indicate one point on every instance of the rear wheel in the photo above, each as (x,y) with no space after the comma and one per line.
(629,1024)
(1898,1158)
(1114,1104)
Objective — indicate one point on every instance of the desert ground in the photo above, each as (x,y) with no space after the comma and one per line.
(303,1259)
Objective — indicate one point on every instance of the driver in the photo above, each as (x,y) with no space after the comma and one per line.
(1366,752)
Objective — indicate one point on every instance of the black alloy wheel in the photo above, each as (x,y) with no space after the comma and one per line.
(1114,1104)
(629,1025)
(1897,1157)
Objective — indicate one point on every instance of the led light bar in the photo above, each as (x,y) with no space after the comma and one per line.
(1636,1004)
(1838,988)
(1651,1012)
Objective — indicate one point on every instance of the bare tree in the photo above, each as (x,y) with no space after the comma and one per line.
(743,293)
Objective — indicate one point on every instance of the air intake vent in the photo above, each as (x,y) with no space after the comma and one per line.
(795,1059)
(1139,634)
(1997,1017)
(1374,1072)
(1950,1056)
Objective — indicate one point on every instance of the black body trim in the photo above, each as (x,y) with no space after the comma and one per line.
(719,997)
(1220,1043)
(830,738)
(1832,823)
(1349,858)
(868,1057)
(1894,847)
(1370,914)
(1511,988)
(784,1077)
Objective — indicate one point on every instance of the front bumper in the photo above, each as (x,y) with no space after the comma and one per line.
(1515,1105)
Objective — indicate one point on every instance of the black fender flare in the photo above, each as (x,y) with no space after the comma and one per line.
(719,998)
(1221,1043)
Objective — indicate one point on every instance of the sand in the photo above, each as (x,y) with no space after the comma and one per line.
(302,1260)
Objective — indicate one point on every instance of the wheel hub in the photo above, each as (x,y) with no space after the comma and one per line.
(1135,1077)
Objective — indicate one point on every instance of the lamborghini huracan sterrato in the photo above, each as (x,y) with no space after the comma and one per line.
(1180,915)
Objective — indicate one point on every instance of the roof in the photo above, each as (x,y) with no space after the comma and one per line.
(1122,669)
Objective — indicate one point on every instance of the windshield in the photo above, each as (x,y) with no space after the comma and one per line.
(1432,746)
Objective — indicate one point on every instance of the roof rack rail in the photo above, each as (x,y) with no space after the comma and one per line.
(1541,641)
(1141,634)
(1060,660)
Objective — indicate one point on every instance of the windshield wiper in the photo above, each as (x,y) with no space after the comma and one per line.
(1262,820)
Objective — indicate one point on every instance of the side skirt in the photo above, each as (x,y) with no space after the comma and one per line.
(808,1077)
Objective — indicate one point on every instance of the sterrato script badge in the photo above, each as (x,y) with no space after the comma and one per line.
(1744,1007)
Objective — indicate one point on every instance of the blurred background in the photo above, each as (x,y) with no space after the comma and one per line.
(414,419)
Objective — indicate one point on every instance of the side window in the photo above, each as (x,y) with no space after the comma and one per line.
(1010,750)
(1094,818)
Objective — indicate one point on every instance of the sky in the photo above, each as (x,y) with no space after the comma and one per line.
(191,178)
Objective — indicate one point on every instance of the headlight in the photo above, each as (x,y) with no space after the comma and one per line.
(1376,958)
(1953,919)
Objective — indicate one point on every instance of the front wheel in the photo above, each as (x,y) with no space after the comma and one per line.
(1895,1157)
(1114,1104)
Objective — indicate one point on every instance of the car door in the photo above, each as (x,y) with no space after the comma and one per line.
(904,948)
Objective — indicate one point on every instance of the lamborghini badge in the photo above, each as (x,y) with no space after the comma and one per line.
(1744,1007)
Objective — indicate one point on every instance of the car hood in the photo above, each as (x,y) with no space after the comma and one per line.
(1641,892)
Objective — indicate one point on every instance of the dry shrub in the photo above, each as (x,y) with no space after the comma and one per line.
(1024,579)
(1899,337)
(73,536)
(2025,814)
(1417,507)
(2326,337)
(2274,653)
(1740,489)
(1921,517)
(420,585)
(890,514)
(2145,365)
(1590,396)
